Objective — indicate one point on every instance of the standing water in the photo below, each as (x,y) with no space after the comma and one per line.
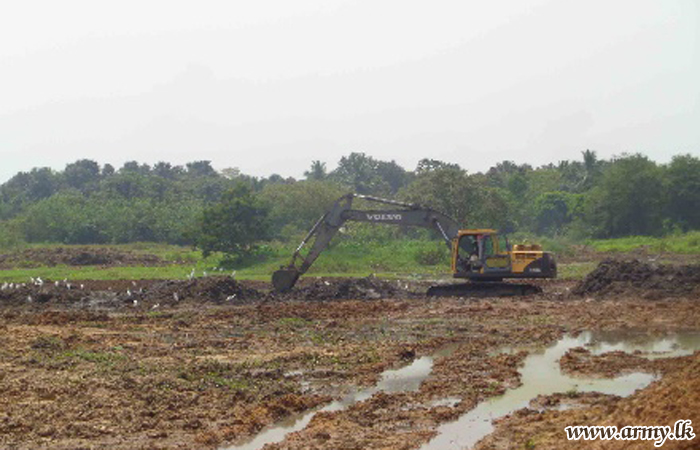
(541,375)
(406,378)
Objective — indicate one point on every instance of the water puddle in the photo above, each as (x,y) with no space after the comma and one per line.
(450,402)
(541,375)
(650,347)
(405,379)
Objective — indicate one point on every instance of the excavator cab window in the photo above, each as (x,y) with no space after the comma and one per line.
(469,260)
(468,246)
(503,245)
(488,246)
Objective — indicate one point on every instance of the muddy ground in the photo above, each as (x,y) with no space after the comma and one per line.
(207,363)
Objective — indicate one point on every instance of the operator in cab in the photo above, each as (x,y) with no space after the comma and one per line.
(469,252)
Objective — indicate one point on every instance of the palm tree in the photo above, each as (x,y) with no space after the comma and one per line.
(591,167)
(317,171)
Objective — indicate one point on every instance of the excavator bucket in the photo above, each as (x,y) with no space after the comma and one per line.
(284,280)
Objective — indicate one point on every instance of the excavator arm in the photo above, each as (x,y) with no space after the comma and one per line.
(321,234)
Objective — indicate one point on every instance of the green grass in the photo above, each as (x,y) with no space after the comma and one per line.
(575,270)
(688,243)
(346,258)
(403,256)
(102,358)
(400,258)
(95,273)
(181,262)
(51,351)
(294,322)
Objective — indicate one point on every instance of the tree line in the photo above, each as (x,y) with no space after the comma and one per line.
(194,204)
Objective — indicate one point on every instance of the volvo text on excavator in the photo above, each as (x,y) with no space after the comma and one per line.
(482,256)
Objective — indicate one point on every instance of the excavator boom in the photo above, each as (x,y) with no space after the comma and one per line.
(321,234)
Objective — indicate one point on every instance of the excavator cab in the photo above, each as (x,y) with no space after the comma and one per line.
(479,252)
(486,255)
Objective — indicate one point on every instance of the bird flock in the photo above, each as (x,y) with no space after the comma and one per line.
(40,282)
(130,294)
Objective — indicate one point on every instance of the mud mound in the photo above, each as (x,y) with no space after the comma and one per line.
(215,289)
(109,295)
(369,288)
(76,256)
(29,294)
(636,277)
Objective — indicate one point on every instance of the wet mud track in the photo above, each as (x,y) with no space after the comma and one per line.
(202,369)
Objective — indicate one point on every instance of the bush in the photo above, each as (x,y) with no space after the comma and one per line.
(10,236)
(432,256)
(234,225)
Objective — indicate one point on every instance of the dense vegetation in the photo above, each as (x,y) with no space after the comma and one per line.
(591,198)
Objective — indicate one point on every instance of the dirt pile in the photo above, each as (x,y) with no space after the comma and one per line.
(103,295)
(369,288)
(214,289)
(76,256)
(226,289)
(636,277)
(31,294)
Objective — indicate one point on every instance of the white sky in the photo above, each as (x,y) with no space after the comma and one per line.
(269,85)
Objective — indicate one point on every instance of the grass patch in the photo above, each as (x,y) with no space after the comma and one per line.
(101,358)
(688,243)
(230,383)
(51,352)
(48,343)
(576,270)
(294,322)
(346,257)
(343,259)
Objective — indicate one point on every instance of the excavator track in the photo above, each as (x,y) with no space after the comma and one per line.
(483,289)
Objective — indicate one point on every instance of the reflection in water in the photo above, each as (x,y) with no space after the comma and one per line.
(541,375)
(407,378)
(651,347)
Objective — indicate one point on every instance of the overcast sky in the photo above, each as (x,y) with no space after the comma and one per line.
(269,85)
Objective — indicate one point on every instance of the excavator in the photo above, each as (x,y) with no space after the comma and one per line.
(483,257)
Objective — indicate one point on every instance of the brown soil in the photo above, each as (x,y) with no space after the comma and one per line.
(580,361)
(112,294)
(369,288)
(635,277)
(76,256)
(674,397)
(199,363)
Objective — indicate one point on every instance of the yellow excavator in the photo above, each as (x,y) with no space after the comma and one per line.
(482,256)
